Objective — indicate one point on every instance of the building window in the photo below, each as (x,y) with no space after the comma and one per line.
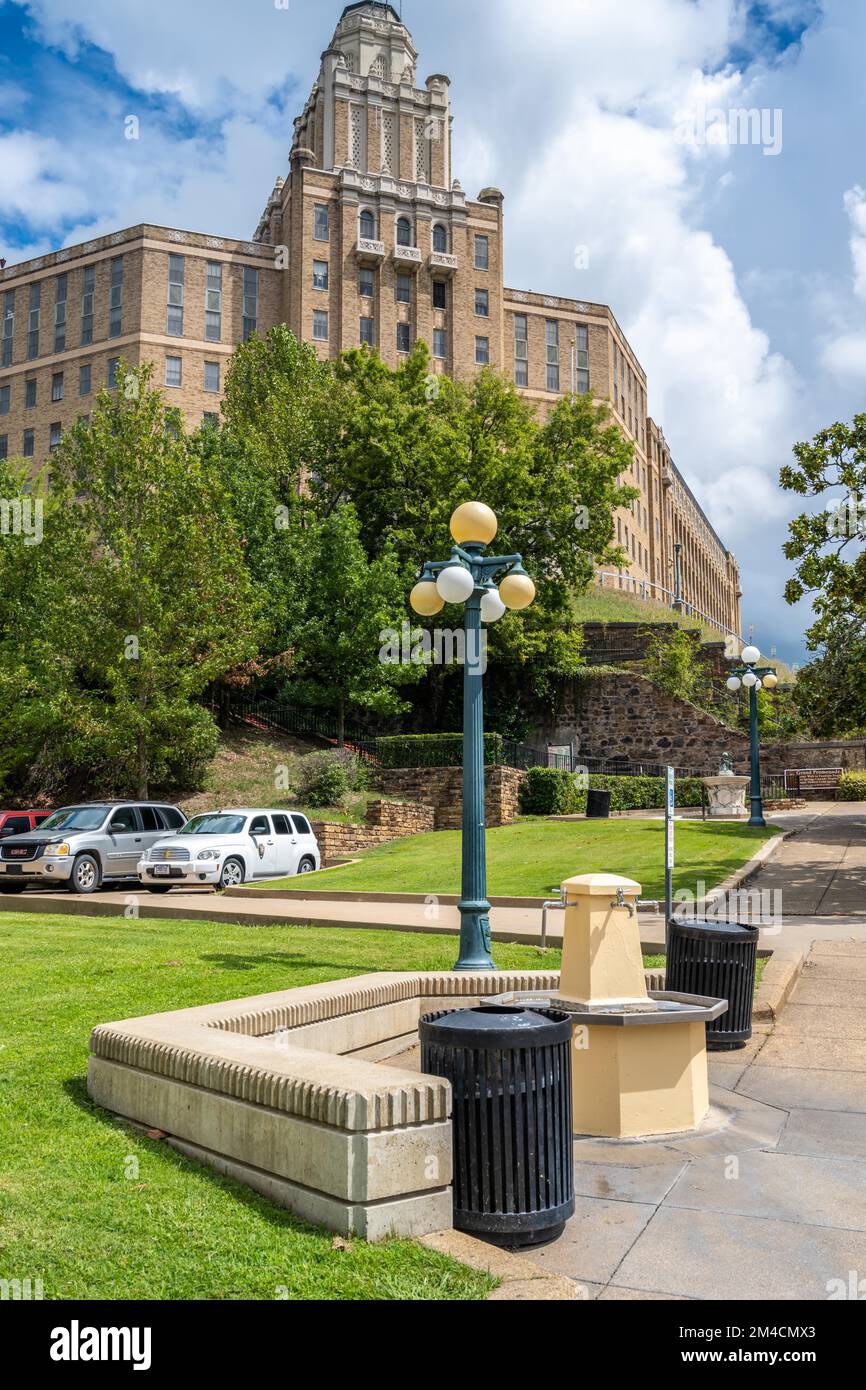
(8,326)
(404,337)
(29,446)
(33,321)
(57,386)
(404,289)
(176,276)
(482,352)
(440,294)
(366,283)
(55,434)
(84,379)
(320,275)
(61,289)
(5,393)
(552,335)
(115,297)
(211,418)
(367,331)
(320,325)
(321,223)
(367,225)
(482,253)
(30,393)
(213,304)
(251,300)
(581,349)
(440,342)
(521,350)
(404,231)
(173,371)
(212,376)
(4,446)
(482,304)
(440,239)
(87,294)
(113,364)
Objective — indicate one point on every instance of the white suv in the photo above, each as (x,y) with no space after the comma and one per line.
(225,848)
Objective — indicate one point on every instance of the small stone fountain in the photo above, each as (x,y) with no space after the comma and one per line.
(639,1057)
(727,792)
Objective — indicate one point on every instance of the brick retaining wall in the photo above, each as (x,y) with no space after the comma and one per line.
(441,789)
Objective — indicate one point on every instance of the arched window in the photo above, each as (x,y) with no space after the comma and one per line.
(440,238)
(404,231)
(367,225)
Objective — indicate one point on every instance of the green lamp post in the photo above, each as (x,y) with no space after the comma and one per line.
(470,577)
(754,677)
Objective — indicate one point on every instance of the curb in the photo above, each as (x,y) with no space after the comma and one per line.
(777,985)
(521,1280)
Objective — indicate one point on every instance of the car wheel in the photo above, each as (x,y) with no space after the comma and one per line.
(158,887)
(232,874)
(12,887)
(306,866)
(85,875)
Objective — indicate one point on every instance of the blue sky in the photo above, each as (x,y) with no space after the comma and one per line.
(738,275)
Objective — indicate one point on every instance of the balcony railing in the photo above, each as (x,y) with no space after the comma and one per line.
(440,260)
(408,255)
(369,250)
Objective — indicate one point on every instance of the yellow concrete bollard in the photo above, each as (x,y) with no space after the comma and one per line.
(601,954)
(636,1069)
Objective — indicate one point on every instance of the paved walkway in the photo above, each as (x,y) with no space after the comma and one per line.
(769,1200)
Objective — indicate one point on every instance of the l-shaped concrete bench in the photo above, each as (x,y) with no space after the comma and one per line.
(287,1093)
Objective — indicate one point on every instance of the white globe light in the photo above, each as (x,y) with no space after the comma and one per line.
(750,679)
(758,683)
(733,683)
(492,607)
(751,655)
(455,584)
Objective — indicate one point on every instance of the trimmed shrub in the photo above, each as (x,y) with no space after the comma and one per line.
(549,791)
(433,750)
(852,786)
(326,778)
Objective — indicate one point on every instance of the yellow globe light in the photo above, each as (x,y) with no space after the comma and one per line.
(474,523)
(770,682)
(517,591)
(426,600)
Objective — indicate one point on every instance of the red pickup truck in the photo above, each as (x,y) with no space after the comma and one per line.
(19,822)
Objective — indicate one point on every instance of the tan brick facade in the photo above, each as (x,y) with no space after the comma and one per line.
(368,238)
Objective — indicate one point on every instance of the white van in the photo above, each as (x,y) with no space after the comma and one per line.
(225,848)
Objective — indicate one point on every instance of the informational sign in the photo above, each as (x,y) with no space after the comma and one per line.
(812,779)
(669,819)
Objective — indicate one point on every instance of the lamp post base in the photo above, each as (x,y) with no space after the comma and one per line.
(757,816)
(475,942)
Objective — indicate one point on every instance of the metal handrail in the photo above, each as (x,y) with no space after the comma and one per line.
(689,609)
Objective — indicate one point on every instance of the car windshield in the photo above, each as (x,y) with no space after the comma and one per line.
(76,818)
(213,825)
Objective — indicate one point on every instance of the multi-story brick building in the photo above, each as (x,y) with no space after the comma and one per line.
(369,239)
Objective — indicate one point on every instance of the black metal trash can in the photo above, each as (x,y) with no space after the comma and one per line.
(510,1073)
(597,804)
(717,960)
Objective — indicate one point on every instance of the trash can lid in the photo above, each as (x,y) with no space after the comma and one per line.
(717,931)
(496,1025)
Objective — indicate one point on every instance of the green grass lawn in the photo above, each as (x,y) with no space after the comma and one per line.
(532,857)
(94,1209)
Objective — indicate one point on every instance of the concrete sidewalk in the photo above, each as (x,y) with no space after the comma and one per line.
(768,1201)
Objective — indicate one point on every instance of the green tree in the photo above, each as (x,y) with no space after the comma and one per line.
(143,598)
(342,606)
(827,547)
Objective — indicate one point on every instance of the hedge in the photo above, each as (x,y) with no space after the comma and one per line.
(433,750)
(549,791)
(852,786)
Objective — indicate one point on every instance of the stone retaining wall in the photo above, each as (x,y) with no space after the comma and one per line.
(385,821)
(441,789)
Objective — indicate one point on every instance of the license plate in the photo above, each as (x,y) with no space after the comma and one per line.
(163,869)
(14,869)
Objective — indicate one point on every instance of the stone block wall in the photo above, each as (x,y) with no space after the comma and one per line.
(386,821)
(400,818)
(627,716)
(441,789)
